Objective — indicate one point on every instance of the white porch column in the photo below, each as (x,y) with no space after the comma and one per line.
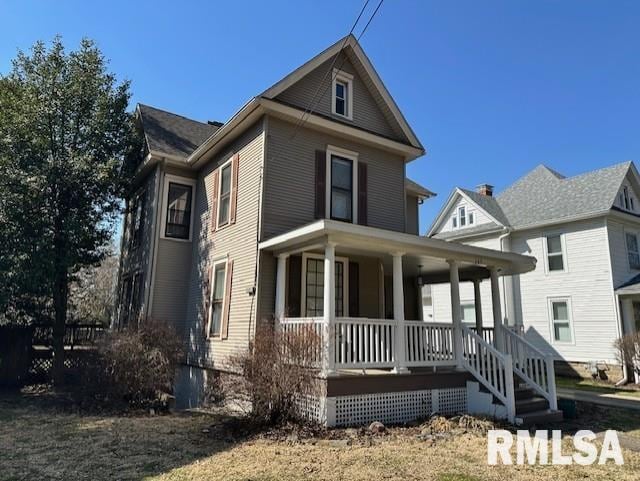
(497,309)
(477,305)
(281,286)
(456,314)
(398,313)
(329,308)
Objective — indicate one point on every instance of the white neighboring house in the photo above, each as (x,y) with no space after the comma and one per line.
(583,230)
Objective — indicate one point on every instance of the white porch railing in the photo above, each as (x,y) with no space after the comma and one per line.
(308,332)
(429,344)
(364,343)
(491,367)
(532,365)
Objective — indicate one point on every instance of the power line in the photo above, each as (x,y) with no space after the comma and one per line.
(314,99)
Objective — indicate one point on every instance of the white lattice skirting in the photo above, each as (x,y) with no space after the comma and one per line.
(388,408)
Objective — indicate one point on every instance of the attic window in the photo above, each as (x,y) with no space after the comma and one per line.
(626,200)
(462,215)
(342,94)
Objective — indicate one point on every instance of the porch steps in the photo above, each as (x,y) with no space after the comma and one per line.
(532,409)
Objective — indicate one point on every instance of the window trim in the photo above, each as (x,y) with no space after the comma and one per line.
(168,178)
(303,282)
(626,244)
(552,337)
(347,79)
(563,247)
(227,163)
(217,261)
(347,154)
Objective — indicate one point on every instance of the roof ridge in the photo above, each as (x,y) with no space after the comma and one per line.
(591,172)
(174,114)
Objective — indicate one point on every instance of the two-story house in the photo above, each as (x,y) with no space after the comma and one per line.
(584,292)
(298,210)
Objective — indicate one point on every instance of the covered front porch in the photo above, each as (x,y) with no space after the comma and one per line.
(358,288)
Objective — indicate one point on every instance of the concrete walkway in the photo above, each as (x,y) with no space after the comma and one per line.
(612,400)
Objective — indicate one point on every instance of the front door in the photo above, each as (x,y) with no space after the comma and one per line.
(636,315)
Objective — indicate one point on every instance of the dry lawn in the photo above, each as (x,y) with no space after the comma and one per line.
(41,442)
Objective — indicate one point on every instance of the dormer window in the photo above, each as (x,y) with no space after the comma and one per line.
(342,94)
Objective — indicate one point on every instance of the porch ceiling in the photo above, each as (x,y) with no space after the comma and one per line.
(430,254)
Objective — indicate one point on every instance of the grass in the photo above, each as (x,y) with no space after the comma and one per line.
(38,441)
(595,386)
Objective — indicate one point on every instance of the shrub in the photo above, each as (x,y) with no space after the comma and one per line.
(274,374)
(628,350)
(135,366)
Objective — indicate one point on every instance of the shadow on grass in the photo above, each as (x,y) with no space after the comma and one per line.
(44,438)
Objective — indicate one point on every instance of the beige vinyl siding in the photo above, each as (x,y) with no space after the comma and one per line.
(366,111)
(289,183)
(587,283)
(173,263)
(413,225)
(238,242)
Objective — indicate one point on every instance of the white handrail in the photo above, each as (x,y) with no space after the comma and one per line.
(532,365)
(491,367)
(429,343)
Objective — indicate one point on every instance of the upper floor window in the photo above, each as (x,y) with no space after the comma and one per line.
(462,218)
(626,199)
(179,204)
(632,250)
(342,94)
(225,195)
(555,253)
(341,188)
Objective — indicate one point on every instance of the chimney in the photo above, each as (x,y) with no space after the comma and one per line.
(485,189)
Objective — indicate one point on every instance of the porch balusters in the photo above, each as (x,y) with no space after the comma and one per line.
(456,314)
(400,364)
(477,306)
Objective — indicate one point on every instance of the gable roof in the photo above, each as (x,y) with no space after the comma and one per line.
(351,47)
(172,134)
(544,196)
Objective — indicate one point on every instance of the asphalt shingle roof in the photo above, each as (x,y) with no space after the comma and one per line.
(171,133)
(489,204)
(416,188)
(544,195)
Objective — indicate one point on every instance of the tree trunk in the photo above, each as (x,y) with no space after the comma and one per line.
(60,297)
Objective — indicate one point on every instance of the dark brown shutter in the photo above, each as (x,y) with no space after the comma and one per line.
(354,289)
(206,300)
(234,189)
(294,290)
(214,200)
(362,193)
(224,329)
(321,183)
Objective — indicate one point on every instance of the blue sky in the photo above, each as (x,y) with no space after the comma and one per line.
(492,88)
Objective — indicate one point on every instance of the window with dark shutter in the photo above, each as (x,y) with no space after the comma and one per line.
(354,283)
(294,286)
(234,189)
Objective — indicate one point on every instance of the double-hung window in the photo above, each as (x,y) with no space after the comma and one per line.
(341,188)
(560,313)
(632,250)
(342,94)
(225,195)
(217,298)
(468,312)
(178,217)
(462,216)
(555,254)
